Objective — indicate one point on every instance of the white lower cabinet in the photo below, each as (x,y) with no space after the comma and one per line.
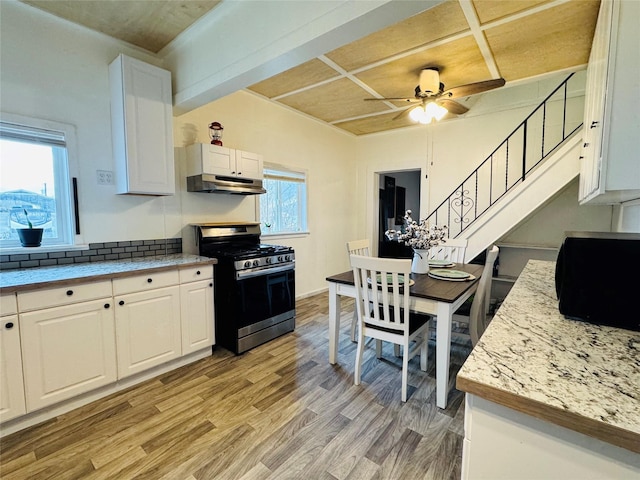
(147,329)
(504,444)
(11,382)
(196,302)
(67,350)
(58,343)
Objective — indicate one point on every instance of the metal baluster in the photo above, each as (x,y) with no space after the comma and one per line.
(524,151)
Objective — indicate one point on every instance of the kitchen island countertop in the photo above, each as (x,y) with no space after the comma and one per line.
(46,277)
(574,374)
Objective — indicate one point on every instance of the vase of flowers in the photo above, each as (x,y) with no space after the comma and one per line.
(420,236)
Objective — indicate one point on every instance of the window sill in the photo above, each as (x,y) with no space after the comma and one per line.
(41,249)
(285,235)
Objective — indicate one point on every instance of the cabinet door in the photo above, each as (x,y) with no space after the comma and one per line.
(67,351)
(11,382)
(196,303)
(219,160)
(147,329)
(595,97)
(250,165)
(142,127)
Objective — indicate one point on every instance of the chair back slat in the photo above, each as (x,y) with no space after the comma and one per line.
(453,250)
(478,313)
(383,303)
(359,247)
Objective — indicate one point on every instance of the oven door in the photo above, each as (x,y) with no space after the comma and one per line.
(265,297)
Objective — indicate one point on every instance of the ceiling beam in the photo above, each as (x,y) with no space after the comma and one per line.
(242,43)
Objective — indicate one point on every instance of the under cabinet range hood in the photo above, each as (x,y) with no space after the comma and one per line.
(209,183)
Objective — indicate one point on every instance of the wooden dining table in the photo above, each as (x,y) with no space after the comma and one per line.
(440,298)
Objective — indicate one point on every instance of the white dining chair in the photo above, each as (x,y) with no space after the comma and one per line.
(476,318)
(452,249)
(357,247)
(383,312)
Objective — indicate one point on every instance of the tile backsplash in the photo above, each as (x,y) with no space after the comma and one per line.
(97,252)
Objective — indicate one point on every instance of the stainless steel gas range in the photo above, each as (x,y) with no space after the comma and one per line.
(254,285)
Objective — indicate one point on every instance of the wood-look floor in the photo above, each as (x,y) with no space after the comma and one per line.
(280,411)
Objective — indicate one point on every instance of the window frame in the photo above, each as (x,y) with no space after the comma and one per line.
(64,179)
(291,173)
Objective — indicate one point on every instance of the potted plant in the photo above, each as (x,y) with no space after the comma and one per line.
(30,237)
(420,237)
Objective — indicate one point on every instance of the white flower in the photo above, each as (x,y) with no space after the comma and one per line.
(419,236)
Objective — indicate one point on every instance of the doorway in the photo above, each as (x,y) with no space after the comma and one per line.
(399,191)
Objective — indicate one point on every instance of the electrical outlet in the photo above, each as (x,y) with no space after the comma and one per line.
(105,177)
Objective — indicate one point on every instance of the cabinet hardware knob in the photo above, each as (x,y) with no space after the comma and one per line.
(586,145)
(198,272)
(211,284)
(106,305)
(8,325)
(233,173)
(149,280)
(239,173)
(580,157)
(69,292)
(594,124)
(121,302)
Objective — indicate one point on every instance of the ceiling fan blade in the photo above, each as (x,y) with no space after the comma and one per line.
(402,113)
(401,99)
(453,107)
(473,88)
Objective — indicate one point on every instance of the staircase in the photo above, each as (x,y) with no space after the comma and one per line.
(538,159)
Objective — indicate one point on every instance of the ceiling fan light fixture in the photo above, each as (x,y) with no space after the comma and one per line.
(430,80)
(428,113)
(418,115)
(433,110)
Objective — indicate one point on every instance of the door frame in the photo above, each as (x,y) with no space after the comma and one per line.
(373,200)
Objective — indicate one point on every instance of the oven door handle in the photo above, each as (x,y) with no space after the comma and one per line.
(264,271)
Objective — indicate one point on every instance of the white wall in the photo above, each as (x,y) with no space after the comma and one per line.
(627,217)
(55,70)
(547,227)
(448,151)
(283,137)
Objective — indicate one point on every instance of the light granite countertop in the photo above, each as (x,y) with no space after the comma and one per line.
(45,277)
(578,375)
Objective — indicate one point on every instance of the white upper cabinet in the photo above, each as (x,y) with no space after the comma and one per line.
(142,131)
(249,165)
(203,158)
(610,162)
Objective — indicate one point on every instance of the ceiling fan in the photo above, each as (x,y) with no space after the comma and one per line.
(434,101)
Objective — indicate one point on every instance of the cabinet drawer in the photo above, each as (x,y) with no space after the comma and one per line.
(141,283)
(53,297)
(8,305)
(193,274)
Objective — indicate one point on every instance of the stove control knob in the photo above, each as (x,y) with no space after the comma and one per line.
(279,258)
(287,258)
(247,264)
(269,259)
(256,263)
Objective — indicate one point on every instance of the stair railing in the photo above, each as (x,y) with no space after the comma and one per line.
(534,140)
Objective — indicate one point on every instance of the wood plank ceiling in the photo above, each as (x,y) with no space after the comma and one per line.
(468,40)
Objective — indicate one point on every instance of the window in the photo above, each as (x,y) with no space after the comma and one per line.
(35,178)
(283,209)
